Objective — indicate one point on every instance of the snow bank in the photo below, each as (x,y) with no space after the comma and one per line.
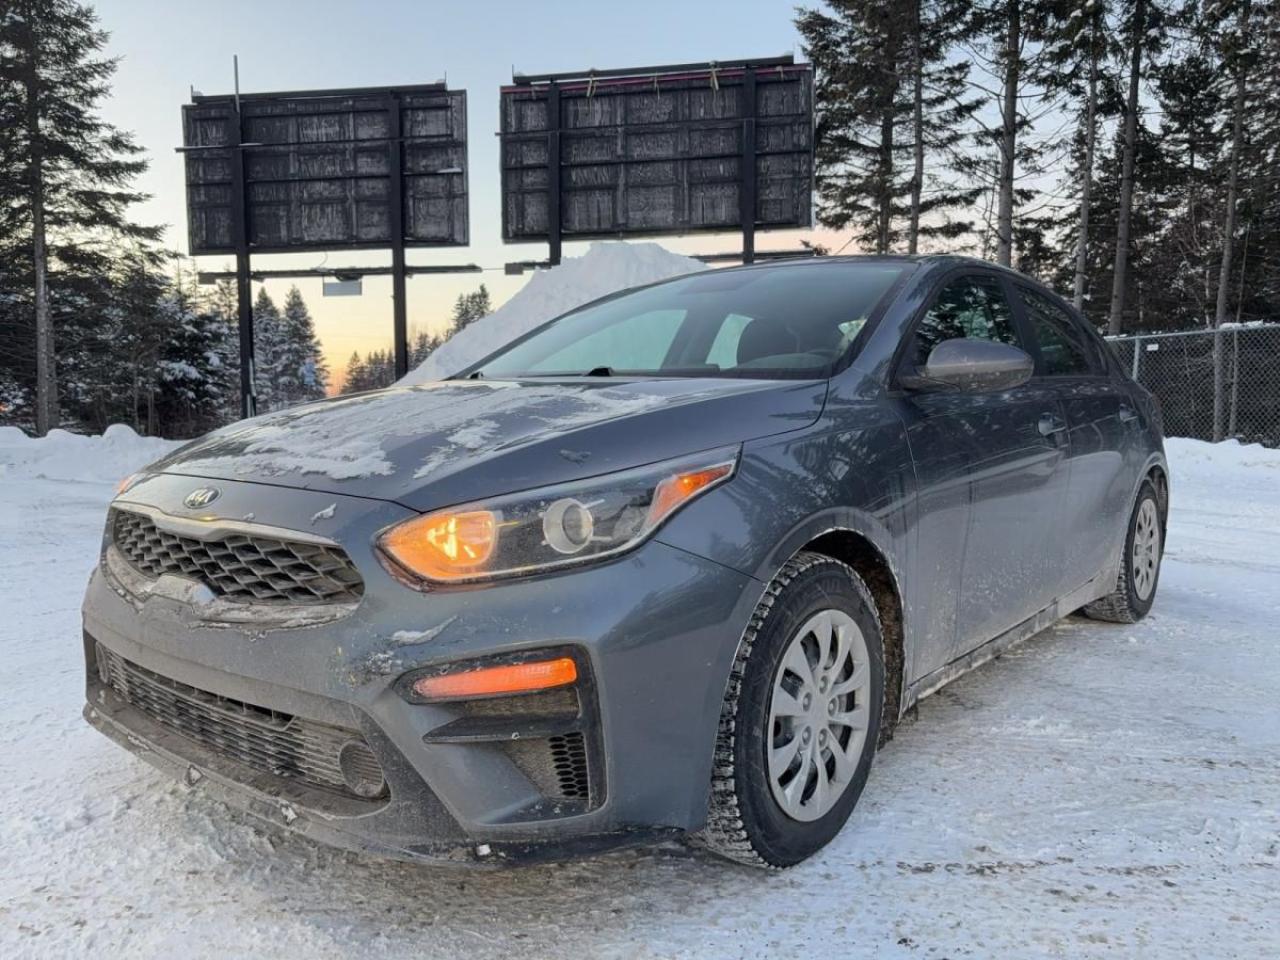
(604,269)
(1099,792)
(70,456)
(1197,459)
(1247,475)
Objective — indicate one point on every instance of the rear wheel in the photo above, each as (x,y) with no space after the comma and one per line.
(1140,567)
(801,717)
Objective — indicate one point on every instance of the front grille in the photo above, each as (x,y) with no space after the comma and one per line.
(265,739)
(239,567)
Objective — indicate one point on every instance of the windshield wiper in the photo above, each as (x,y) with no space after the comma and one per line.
(599,372)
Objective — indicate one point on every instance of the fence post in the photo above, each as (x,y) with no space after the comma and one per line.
(1235,381)
(1137,351)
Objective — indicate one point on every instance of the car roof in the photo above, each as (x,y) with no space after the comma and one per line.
(932,261)
(948,259)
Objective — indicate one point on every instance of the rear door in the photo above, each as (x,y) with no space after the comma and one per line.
(991,476)
(1072,365)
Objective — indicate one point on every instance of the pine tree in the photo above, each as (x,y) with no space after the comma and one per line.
(298,366)
(380,369)
(116,372)
(1003,42)
(268,347)
(942,113)
(1074,66)
(424,344)
(354,378)
(1144,21)
(69,196)
(893,112)
(1189,93)
(858,52)
(222,307)
(1238,48)
(195,392)
(1147,307)
(469,308)
(1261,184)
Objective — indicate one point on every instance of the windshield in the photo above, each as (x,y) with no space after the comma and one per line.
(787,322)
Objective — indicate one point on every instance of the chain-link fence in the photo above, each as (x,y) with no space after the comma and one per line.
(1178,369)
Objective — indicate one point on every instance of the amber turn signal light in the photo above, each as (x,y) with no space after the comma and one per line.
(674,491)
(443,546)
(492,681)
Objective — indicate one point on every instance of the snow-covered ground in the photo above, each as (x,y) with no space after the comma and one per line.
(1101,791)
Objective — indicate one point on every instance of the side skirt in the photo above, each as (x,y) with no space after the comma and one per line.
(930,683)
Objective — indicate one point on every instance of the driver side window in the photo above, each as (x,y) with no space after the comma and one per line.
(971,307)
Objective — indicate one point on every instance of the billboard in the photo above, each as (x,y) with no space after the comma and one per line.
(658,150)
(324,170)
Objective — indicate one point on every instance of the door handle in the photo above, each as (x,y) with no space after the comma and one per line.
(1127,413)
(1051,425)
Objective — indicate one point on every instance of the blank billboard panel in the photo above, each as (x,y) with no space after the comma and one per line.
(320,169)
(658,152)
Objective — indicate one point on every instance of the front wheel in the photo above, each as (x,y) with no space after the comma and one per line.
(801,717)
(1140,567)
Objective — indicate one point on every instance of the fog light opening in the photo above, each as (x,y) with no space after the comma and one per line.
(361,770)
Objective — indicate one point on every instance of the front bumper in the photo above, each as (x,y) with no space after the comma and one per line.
(656,630)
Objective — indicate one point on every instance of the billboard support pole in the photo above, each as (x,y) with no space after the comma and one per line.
(747,171)
(553,173)
(400,330)
(244,285)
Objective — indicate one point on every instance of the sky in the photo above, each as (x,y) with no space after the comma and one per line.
(166,47)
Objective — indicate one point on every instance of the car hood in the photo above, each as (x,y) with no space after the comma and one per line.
(452,441)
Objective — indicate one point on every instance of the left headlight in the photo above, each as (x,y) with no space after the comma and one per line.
(555,526)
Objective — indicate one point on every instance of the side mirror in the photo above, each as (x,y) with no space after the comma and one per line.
(972,366)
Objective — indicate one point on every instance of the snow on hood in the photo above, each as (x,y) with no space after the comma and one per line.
(463,438)
(604,269)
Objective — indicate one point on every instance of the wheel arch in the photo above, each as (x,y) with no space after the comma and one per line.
(859,552)
(1158,473)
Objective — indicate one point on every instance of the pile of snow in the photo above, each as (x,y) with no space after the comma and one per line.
(1099,792)
(70,456)
(1198,460)
(604,269)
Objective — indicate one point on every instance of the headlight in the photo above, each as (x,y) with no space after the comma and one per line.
(555,526)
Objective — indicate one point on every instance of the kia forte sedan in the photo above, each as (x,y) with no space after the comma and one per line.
(671,565)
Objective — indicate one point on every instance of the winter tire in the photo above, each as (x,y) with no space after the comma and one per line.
(801,717)
(1139,567)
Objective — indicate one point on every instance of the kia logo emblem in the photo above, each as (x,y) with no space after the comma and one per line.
(201,497)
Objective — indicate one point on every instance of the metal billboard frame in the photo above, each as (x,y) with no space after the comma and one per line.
(391,100)
(551,85)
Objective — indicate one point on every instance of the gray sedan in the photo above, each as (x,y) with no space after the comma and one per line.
(672,565)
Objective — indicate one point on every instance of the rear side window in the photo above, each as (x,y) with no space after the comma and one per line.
(970,307)
(1064,347)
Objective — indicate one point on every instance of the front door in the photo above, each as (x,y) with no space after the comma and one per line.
(991,475)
